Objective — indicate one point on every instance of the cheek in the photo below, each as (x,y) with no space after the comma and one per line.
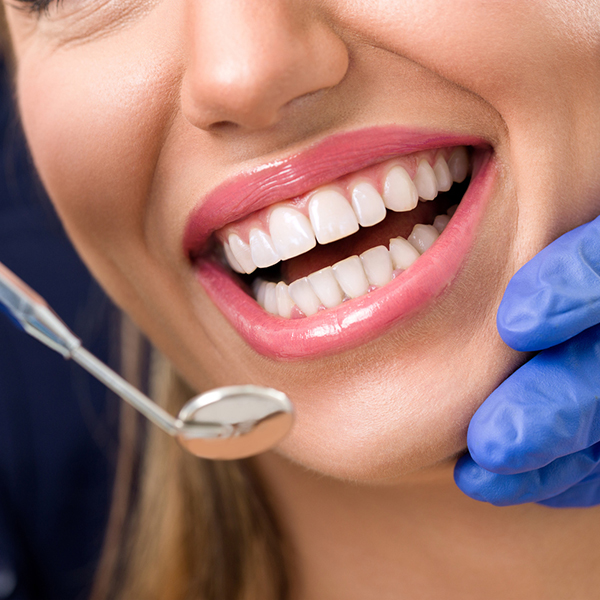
(95,137)
(520,56)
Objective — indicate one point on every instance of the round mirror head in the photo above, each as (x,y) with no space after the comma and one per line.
(258,419)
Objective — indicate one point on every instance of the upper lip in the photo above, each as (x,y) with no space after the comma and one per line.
(300,173)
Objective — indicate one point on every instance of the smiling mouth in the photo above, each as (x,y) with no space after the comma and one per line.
(296,253)
(346,239)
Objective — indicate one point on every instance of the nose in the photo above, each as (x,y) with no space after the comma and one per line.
(251,59)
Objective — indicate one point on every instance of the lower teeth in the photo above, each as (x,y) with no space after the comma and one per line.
(350,278)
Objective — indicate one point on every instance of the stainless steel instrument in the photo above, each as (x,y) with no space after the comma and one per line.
(224,423)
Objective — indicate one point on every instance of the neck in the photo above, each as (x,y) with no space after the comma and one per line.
(423,538)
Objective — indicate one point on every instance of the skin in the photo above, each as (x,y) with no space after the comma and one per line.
(136,109)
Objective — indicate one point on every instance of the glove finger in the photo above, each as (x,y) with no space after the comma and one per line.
(533,486)
(548,408)
(556,295)
(582,495)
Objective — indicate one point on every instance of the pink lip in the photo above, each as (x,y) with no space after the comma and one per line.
(360,320)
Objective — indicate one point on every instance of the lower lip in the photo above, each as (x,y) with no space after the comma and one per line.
(363,319)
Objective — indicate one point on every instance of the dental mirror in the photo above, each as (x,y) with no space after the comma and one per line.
(225,423)
(258,418)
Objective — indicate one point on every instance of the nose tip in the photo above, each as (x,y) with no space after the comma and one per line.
(241,94)
(246,68)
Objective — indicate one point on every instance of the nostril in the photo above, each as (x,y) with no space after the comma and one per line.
(223,126)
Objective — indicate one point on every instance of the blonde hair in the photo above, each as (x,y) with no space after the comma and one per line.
(198,529)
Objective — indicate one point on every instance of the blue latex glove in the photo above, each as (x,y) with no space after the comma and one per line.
(537,437)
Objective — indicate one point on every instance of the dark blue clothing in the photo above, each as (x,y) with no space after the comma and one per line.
(58,427)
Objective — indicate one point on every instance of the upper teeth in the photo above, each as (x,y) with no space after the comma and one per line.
(330,215)
(367,204)
(262,252)
(400,194)
(291,232)
(425,181)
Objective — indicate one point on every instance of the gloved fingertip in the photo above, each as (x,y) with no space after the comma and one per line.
(479,484)
(515,323)
(468,476)
(555,295)
(493,440)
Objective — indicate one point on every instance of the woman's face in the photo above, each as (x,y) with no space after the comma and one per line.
(169,131)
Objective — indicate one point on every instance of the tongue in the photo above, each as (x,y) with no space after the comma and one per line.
(394,225)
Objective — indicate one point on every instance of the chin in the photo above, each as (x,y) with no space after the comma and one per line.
(372,417)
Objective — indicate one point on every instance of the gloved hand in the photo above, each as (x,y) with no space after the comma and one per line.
(536,438)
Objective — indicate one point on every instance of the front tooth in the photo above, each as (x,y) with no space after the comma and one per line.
(241,251)
(403,253)
(284,300)
(261,249)
(291,232)
(271,298)
(351,277)
(442,174)
(367,204)
(425,181)
(399,192)
(458,163)
(326,287)
(304,296)
(377,264)
(440,222)
(331,216)
(423,236)
(233,263)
